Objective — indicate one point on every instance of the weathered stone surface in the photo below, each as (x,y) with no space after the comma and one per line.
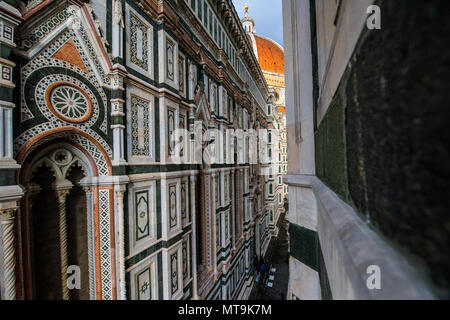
(397,160)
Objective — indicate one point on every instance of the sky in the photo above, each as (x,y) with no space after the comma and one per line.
(267,15)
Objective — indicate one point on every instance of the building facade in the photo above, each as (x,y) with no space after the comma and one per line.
(270,57)
(105,107)
(368,149)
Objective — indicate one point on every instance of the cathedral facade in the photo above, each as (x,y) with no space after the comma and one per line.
(270,57)
(101,109)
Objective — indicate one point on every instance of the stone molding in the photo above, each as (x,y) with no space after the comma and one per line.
(349,246)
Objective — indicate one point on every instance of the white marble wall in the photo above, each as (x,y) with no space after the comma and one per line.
(303,281)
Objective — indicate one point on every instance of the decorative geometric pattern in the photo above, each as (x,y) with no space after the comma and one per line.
(144,285)
(170,63)
(182,125)
(45,59)
(181,73)
(183,201)
(91,244)
(42,89)
(170,130)
(6,73)
(142,215)
(139,48)
(213,96)
(172,206)
(208,219)
(69,53)
(93,57)
(7,32)
(70,103)
(105,252)
(174,272)
(43,30)
(184,255)
(140,126)
(88,145)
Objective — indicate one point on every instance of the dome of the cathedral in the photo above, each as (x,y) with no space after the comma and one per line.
(270,55)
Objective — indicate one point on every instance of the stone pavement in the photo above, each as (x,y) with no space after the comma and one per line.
(277,257)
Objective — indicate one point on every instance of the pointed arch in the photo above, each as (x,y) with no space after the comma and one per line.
(92,149)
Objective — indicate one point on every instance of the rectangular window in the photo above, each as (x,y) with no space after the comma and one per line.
(215,30)
(217,191)
(218,231)
(193,4)
(227,227)
(200,9)
(210,23)
(205,15)
(226,188)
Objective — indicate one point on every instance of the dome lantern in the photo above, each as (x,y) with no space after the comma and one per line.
(247,22)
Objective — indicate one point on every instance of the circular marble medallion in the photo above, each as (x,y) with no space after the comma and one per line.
(69,103)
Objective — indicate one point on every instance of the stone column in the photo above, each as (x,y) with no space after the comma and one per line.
(118,115)
(61,193)
(121,235)
(117,74)
(214,231)
(117,29)
(194,241)
(9,256)
(90,236)
(32,191)
(233,212)
(10,18)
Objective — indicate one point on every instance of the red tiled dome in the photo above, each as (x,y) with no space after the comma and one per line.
(270,55)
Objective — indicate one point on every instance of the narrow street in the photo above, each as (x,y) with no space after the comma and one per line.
(277,258)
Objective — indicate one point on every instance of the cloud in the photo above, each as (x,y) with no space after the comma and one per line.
(267,15)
